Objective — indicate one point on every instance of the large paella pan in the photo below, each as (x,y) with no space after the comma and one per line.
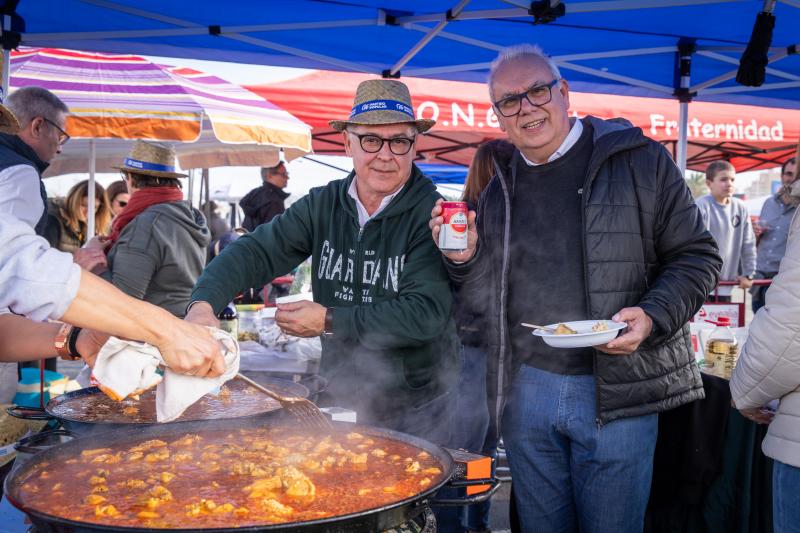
(224,475)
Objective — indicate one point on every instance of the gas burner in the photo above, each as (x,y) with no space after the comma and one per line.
(430,522)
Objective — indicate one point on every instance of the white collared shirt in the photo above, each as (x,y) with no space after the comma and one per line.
(363,216)
(20,195)
(572,137)
(38,281)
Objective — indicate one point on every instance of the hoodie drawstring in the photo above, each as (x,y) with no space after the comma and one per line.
(379,290)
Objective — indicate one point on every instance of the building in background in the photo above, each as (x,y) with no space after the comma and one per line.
(768,182)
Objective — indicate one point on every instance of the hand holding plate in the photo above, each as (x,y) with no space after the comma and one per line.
(639,328)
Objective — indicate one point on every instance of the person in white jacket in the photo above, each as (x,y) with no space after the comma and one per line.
(769,369)
(39,282)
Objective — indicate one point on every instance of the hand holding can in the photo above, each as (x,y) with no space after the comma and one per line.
(453,229)
(453,232)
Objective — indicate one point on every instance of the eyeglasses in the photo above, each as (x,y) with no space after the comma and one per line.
(372,144)
(63,136)
(537,96)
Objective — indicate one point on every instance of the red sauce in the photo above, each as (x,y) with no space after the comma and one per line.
(229,478)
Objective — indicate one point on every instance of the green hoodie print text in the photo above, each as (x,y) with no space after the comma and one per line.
(339,266)
(394,344)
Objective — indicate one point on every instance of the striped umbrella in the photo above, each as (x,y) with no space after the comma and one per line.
(126,97)
(115,99)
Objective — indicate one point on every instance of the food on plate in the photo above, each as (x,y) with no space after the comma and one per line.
(231,478)
(563,329)
(600,326)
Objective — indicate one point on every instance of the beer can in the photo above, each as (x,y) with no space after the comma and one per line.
(453,232)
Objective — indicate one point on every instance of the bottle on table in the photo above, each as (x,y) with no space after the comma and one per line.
(229,320)
(722,348)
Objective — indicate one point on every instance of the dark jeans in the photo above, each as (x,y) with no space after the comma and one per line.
(471,428)
(785,511)
(571,474)
(472,412)
(759,293)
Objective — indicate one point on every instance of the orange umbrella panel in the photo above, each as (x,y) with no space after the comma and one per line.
(129,97)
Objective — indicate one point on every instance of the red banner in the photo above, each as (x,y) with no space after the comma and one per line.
(750,137)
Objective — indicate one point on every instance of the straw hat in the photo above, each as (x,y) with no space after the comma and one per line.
(382,102)
(8,122)
(152,159)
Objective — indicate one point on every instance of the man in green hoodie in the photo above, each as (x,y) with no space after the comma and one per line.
(382,300)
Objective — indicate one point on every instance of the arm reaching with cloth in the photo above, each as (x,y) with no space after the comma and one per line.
(40,282)
(185,347)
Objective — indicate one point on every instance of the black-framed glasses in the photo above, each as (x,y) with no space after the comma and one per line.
(63,136)
(372,143)
(537,96)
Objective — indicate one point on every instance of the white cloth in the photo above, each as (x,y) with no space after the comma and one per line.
(363,216)
(128,367)
(20,195)
(569,141)
(37,281)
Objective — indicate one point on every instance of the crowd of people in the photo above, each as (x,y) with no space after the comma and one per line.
(578,219)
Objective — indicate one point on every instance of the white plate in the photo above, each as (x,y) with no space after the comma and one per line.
(585,336)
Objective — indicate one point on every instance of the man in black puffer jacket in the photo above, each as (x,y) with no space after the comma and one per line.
(608,231)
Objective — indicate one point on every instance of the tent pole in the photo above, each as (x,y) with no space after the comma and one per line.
(206,180)
(198,176)
(683,71)
(6,72)
(190,192)
(90,229)
(683,128)
(7,46)
(451,14)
